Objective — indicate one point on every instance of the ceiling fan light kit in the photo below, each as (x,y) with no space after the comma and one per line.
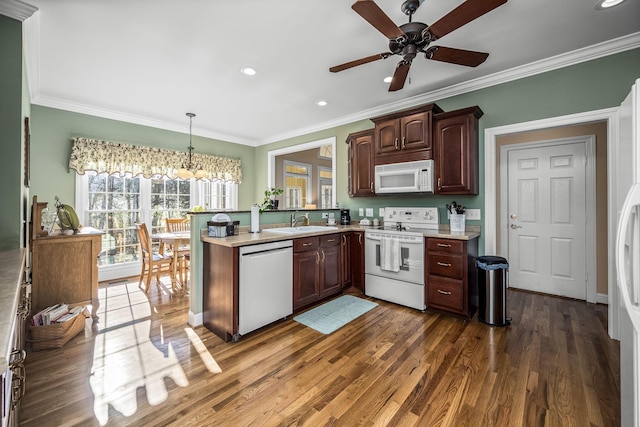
(410,39)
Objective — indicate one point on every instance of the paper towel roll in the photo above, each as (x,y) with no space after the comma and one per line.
(255,219)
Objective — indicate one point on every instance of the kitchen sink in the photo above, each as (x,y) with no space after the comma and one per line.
(299,230)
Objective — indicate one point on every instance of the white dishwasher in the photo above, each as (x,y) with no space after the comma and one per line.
(266,284)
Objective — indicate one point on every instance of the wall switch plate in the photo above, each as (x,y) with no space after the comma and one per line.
(381,212)
(369,211)
(361,211)
(473,214)
(325,215)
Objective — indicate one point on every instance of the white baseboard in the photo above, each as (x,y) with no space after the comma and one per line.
(602,299)
(194,319)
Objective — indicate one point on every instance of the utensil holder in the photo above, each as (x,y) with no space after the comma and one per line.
(457,222)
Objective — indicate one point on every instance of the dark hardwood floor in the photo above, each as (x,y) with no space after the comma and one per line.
(142,365)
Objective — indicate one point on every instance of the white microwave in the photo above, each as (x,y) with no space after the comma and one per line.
(407,177)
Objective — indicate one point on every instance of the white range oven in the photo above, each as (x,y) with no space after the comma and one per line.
(394,256)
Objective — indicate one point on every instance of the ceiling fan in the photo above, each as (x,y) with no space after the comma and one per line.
(412,38)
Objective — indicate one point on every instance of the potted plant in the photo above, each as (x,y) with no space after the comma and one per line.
(270,201)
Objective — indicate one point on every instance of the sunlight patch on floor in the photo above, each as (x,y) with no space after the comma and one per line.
(125,357)
(206,357)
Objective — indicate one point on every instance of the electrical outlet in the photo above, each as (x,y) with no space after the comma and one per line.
(332,215)
(473,214)
(361,211)
(369,211)
(381,212)
(325,215)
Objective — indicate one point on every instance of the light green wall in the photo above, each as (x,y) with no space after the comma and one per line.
(53,129)
(11,113)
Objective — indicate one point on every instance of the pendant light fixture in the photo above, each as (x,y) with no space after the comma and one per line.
(189,169)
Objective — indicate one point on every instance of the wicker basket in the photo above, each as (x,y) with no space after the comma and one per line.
(57,335)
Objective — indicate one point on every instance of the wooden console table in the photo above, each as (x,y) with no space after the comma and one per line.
(65,269)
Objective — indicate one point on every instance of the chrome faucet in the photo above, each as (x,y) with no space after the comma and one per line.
(304,217)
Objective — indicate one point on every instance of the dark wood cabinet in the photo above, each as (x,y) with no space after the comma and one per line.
(345,259)
(316,269)
(405,135)
(456,151)
(450,275)
(357,260)
(220,290)
(330,271)
(361,163)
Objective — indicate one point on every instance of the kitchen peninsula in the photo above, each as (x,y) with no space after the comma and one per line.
(338,252)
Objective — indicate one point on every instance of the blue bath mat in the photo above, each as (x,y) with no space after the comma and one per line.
(335,314)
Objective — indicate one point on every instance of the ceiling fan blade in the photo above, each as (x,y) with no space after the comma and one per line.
(470,58)
(400,76)
(350,64)
(372,13)
(463,14)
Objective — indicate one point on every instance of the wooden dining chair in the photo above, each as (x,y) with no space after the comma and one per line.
(152,262)
(173,225)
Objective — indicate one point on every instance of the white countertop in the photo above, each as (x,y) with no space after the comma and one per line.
(11,265)
(244,238)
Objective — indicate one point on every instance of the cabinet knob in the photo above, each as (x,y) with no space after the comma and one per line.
(444,245)
(396,144)
(403,141)
(440,291)
(306,244)
(331,240)
(444,264)
(439,185)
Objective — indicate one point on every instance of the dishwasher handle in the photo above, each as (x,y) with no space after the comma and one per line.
(265,247)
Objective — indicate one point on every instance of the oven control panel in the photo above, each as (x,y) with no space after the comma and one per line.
(412,217)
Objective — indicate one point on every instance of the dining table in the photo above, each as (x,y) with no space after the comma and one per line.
(177,240)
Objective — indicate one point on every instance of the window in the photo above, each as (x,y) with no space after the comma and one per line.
(325,187)
(114,204)
(297,184)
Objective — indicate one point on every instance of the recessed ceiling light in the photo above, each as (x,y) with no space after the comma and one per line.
(322,103)
(388,79)
(248,71)
(606,4)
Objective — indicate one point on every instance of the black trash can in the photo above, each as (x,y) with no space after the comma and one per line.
(492,290)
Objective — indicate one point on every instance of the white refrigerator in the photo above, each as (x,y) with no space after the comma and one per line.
(628,255)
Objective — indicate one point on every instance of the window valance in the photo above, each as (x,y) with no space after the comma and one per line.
(119,158)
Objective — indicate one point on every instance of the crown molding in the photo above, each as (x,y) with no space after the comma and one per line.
(611,47)
(17,9)
(600,50)
(89,110)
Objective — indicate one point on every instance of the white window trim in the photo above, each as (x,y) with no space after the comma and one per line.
(309,176)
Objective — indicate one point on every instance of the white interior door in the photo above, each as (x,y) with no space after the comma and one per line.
(547,219)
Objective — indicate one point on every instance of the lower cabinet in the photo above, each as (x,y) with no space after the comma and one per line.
(15,283)
(357,260)
(451,279)
(316,269)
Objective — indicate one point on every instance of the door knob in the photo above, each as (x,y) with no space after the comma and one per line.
(515,226)
(514,216)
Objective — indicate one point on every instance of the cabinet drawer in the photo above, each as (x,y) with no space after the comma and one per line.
(445,265)
(446,246)
(306,244)
(330,240)
(446,294)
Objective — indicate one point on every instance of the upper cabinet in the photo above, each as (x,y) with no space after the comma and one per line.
(421,133)
(456,151)
(405,135)
(361,163)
